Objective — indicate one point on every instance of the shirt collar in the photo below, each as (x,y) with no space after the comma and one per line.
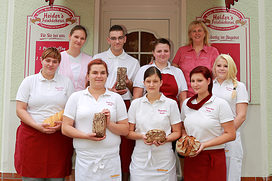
(167,67)
(205,48)
(86,92)
(215,81)
(111,55)
(162,98)
(41,77)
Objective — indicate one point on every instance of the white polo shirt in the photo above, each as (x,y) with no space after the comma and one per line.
(82,106)
(205,124)
(160,115)
(113,62)
(224,91)
(44,97)
(176,72)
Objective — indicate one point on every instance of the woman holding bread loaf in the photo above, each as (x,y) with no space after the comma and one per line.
(41,150)
(154,122)
(95,118)
(209,120)
(234,92)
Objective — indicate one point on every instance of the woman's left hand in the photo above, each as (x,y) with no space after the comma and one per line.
(202,146)
(158,143)
(106,112)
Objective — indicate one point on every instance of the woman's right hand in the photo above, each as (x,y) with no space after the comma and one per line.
(145,138)
(44,128)
(92,136)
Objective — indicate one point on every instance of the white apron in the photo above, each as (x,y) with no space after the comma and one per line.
(97,167)
(234,157)
(152,163)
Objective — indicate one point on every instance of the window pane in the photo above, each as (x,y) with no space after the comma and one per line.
(145,59)
(132,43)
(146,40)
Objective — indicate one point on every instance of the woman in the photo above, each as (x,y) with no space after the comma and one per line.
(174,85)
(155,160)
(234,92)
(73,61)
(42,151)
(209,119)
(96,158)
(197,52)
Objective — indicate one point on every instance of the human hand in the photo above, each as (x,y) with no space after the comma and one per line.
(92,136)
(121,92)
(106,112)
(145,140)
(158,143)
(44,128)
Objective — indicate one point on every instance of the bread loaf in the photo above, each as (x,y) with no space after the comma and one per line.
(187,146)
(155,135)
(99,124)
(121,78)
(54,118)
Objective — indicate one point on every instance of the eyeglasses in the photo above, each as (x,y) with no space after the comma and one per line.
(119,38)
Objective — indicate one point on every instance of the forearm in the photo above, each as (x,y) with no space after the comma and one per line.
(26,118)
(173,136)
(224,138)
(135,136)
(130,86)
(238,121)
(72,132)
(119,128)
(137,92)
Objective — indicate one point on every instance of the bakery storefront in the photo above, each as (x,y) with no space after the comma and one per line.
(241,28)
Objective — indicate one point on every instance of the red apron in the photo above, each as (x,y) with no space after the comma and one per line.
(169,86)
(126,148)
(40,155)
(209,165)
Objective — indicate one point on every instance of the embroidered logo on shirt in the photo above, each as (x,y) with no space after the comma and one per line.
(162,111)
(229,88)
(209,109)
(109,103)
(59,88)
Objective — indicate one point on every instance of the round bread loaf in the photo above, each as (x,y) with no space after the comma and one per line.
(155,135)
(187,146)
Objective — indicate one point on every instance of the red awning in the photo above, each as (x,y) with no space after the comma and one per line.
(229,2)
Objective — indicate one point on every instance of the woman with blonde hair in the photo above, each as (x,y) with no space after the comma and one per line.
(234,92)
(197,52)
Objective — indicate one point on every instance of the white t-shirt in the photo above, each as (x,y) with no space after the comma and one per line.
(81,107)
(44,97)
(75,65)
(176,72)
(224,91)
(160,115)
(113,62)
(205,124)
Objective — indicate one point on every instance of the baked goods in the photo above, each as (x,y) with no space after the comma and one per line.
(155,135)
(121,78)
(54,118)
(187,146)
(99,124)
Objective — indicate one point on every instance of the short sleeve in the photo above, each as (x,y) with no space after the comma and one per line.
(23,92)
(242,95)
(71,106)
(121,108)
(139,79)
(70,88)
(182,114)
(174,113)
(132,112)
(225,113)
(182,82)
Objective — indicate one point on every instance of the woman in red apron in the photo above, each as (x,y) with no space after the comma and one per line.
(42,152)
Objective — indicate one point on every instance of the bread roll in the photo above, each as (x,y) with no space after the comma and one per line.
(155,135)
(187,146)
(99,124)
(54,118)
(121,78)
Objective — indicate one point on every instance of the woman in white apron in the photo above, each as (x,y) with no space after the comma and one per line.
(153,161)
(234,92)
(97,159)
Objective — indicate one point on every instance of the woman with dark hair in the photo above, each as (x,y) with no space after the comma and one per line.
(210,120)
(96,158)
(153,160)
(73,61)
(197,52)
(42,152)
(174,85)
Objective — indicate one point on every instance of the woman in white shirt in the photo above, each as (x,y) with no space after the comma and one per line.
(96,158)
(234,92)
(153,161)
(42,152)
(209,119)
(73,61)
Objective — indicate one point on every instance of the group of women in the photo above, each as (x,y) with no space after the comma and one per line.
(206,102)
